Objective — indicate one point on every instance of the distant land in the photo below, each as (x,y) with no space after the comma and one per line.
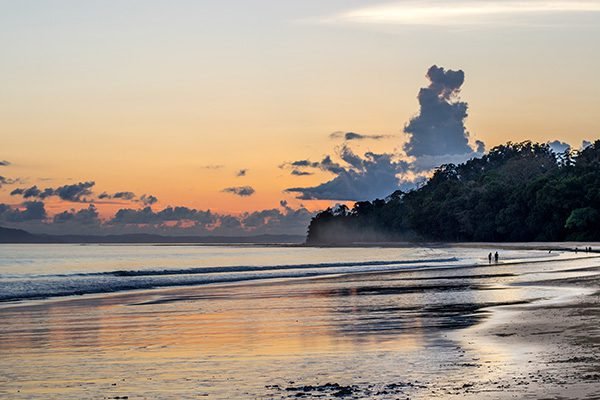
(9,235)
(518,192)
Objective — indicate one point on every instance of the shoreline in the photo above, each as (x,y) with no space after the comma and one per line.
(161,289)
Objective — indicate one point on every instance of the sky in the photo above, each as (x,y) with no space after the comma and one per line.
(244,117)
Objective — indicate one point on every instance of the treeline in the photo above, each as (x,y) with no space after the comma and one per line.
(518,192)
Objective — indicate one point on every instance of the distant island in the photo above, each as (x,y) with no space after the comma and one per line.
(518,192)
(9,235)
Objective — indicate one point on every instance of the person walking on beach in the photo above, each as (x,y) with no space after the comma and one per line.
(496,257)
(490,257)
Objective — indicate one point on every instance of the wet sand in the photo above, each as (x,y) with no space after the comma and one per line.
(529,330)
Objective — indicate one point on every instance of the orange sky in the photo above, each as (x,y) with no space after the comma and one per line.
(143,98)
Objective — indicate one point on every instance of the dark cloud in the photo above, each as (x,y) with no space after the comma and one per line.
(169,214)
(277,221)
(148,199)
(124,195)
(298,172)
(145,199)
(33,192)
(480,146)
(439,129)
(326,164)
(4,163)
(364,178)
(170,221)
(436,136)
(85,216)
(241,172)
(8,181)
(559,147)
(187,220)
(243,191)
(73,193)
(30,211)
(347,136)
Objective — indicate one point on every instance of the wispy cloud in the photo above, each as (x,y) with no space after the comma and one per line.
(212,166)
(438,12)
(348,136)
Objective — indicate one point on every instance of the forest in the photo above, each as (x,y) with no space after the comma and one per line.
(518,192)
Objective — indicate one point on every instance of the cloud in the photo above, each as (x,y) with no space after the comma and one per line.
(148,199)
(326,164)
(277,221)
(30,211)
(124,195)
(438,130)
(362,178)
(436,135)
(73,193)
(84,216)
(348,136)
(33,191)
(4,163)
(213,166)
(169,214)
(298,172)
(241,172)
(242,191)
(179,220)
(559,147)
(8,181)
(462,12)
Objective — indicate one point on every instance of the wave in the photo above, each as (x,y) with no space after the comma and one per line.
(208,270)
(44,286)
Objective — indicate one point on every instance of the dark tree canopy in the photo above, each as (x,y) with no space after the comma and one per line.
(517,192)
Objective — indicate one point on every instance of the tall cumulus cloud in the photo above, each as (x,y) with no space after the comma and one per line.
(436,135)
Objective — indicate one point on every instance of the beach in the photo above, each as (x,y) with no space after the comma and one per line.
(379,323)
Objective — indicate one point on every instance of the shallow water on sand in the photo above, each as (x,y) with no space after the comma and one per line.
(264,338)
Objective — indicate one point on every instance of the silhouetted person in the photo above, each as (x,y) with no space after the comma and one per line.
(496,257)
(576,250)
(490,257)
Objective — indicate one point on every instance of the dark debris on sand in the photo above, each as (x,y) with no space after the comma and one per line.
(335,390)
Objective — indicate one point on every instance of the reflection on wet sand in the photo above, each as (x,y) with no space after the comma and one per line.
(390,331)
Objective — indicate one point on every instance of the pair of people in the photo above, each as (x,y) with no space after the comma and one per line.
(495,257)
(587,249)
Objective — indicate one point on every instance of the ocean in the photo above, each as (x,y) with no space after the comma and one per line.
(44,271)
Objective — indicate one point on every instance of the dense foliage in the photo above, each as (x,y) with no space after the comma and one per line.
(517,192)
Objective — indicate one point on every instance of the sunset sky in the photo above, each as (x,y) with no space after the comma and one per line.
(213,105)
